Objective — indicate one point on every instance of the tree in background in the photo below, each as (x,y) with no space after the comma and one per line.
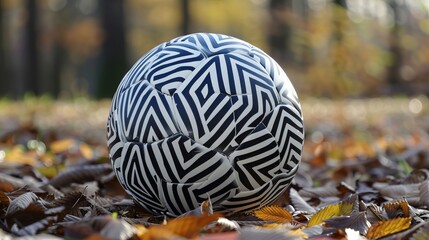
(3,74)
(186,17)
(31,69)
(113,56)
(394,69)
(280,30)
(340,48)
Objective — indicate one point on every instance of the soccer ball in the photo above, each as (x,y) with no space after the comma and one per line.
(205,115)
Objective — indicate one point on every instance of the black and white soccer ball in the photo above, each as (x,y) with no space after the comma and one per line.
(205,115)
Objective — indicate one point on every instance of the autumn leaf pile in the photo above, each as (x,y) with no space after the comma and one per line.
(364,175)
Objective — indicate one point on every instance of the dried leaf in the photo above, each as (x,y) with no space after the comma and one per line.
(18,155)
(385,228)
(375,213)
(22,202)
(80,174)
(9,183)
(400,191)
(357,222)
(424,194)
(329,211)
(299,203)
(417,176)
(4,200)
(187,226)
(36,227)
(72,202)
(62,145)
(274,213)
(86,151)
(325,191)
(396,209)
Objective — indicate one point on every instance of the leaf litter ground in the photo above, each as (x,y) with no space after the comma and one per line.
(364,175)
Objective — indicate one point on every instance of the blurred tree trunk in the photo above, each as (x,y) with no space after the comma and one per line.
(394,71)
(303,52)
(279,30)
(31,74)
(186,17)
(3,74)
(113,56)
(339,48)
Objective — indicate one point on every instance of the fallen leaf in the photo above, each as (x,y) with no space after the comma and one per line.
(424,194)
(356,222)
(329,211)
(22,202)
(385,228)
(4,200)
(299,203)
(62,145)
(80,174)
(274,213)
(187,227)
(35,227)
(396,209)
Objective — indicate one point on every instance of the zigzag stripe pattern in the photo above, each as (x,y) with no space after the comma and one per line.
(205,115)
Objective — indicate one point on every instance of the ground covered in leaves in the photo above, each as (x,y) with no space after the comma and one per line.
(364,175)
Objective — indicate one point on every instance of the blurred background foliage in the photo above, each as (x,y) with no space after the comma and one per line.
(329,48)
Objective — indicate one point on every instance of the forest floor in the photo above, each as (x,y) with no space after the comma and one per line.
(364,175)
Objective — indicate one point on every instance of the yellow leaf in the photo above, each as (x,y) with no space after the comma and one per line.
(18,155)
(50,171)
(329,211)
(388,227)
(86,151)
(274,213)
(188,226)
(62,145)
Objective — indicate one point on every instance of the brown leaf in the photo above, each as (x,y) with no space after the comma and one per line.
(357,222)
(22,202)
(396,209)
(71,202)
(62,145)
(4,200)
(329,211)
(187,226)
(9,183)
(274,213)
(385,228)
(80,174)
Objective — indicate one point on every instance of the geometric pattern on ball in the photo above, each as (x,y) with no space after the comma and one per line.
(205,115)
